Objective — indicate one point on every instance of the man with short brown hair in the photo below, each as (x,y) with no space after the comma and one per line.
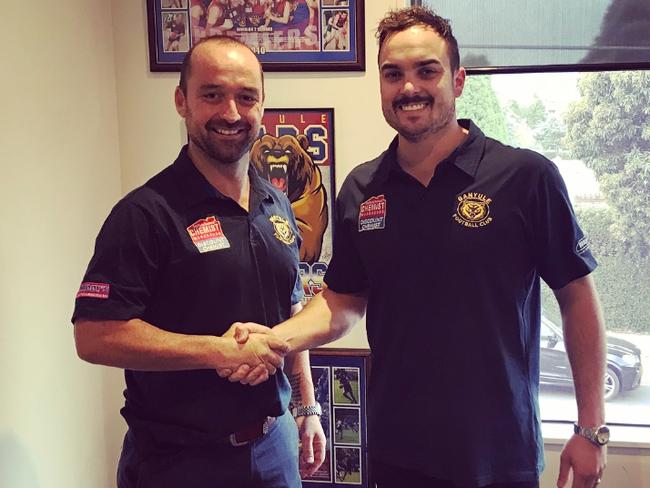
(203,243)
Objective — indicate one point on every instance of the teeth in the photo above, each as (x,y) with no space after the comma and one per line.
(413,106)
(282,167)
(227,132)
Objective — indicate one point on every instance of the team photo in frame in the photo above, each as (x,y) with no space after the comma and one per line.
(286,35)
(344,419)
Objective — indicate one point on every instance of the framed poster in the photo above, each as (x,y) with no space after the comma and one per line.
(340,377)
(295,152)
(286,35)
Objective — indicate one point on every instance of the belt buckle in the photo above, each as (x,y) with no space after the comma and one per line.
(268,422)
(266,425)
(234,442)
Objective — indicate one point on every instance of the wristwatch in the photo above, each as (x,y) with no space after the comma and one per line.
(597,435)
(307,410)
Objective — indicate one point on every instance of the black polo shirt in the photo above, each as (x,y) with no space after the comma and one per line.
(178,254)
(452,273)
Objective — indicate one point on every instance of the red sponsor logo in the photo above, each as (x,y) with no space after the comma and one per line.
(88,289)
(207,235)
(372,214)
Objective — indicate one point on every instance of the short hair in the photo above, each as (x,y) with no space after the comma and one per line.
(220,39)
(402,19)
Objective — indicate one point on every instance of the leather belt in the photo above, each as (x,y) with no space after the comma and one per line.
(251,432)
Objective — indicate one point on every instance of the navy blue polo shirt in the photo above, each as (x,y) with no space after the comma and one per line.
(452,272)
(178,254)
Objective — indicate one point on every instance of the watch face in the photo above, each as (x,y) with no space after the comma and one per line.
(602,435)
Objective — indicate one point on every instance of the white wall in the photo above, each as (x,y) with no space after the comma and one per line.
(77,76)
(60,176)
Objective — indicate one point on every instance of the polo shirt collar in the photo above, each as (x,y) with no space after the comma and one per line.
(465,157)
(196,188)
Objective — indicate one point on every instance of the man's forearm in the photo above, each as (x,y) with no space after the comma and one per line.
(584,336)
(299,373)
(327,316)
(138,345)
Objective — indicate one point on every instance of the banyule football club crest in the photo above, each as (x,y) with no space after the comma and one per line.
(473,210)
(283,231)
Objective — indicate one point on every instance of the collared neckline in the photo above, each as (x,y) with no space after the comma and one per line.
(466,157)
(196,188)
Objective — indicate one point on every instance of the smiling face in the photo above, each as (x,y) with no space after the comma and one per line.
(222,103)
(418,87)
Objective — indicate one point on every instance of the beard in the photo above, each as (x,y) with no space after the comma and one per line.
(435,123)
(223,152)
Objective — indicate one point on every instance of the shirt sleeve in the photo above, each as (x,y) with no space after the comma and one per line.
(120,277)
(561,248)
(298,293)
(346,273)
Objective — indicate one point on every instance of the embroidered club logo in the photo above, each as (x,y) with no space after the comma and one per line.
(372,214)
(473,210)
(283,232)
(207,235)
(89,289)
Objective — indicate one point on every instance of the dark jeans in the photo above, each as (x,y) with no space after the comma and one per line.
(387,476)
(269,462)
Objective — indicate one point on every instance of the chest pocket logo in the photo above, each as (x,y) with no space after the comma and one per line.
(283,231)
(473,210)
(372,214)
(207,235)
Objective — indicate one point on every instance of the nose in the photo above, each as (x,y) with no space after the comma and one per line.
(230,112)
(409,87)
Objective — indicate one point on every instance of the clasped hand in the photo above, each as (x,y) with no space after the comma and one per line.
(254,354)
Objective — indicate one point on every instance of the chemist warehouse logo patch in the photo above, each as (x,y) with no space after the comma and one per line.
(372,214)
(207,235)
(473,210)
(89,289)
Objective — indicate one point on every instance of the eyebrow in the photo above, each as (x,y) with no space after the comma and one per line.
(214,86)
(419,64)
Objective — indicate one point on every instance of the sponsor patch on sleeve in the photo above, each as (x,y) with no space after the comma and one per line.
(372,214)
(89,289)
(582,245)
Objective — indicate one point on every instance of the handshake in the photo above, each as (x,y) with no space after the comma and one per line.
(252,354)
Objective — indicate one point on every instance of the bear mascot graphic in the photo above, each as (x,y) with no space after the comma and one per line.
(285,162)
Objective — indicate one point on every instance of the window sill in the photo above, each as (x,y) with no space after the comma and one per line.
(556,433)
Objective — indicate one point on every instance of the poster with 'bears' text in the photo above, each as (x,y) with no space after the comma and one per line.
(295,152)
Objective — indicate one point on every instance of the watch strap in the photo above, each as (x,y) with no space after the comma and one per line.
(598,435)
(307,410)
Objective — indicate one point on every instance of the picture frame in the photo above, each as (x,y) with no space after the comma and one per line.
(295,152)
(308,35)
(340,379)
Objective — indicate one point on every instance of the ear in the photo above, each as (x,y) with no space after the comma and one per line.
(459,81)
(303,141)
(180,101)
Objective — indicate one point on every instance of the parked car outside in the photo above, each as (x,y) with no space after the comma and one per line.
(624,367)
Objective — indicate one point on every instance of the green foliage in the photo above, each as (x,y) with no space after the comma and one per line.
(533,115)
(622,281)
(609,129)
(623,286)
(480,104)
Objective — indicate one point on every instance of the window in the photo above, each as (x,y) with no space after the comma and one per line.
(549,35)
(596,129)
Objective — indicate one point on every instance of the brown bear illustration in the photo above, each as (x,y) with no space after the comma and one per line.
(285,162)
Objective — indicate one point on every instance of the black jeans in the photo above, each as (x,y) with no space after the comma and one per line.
(388,476)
